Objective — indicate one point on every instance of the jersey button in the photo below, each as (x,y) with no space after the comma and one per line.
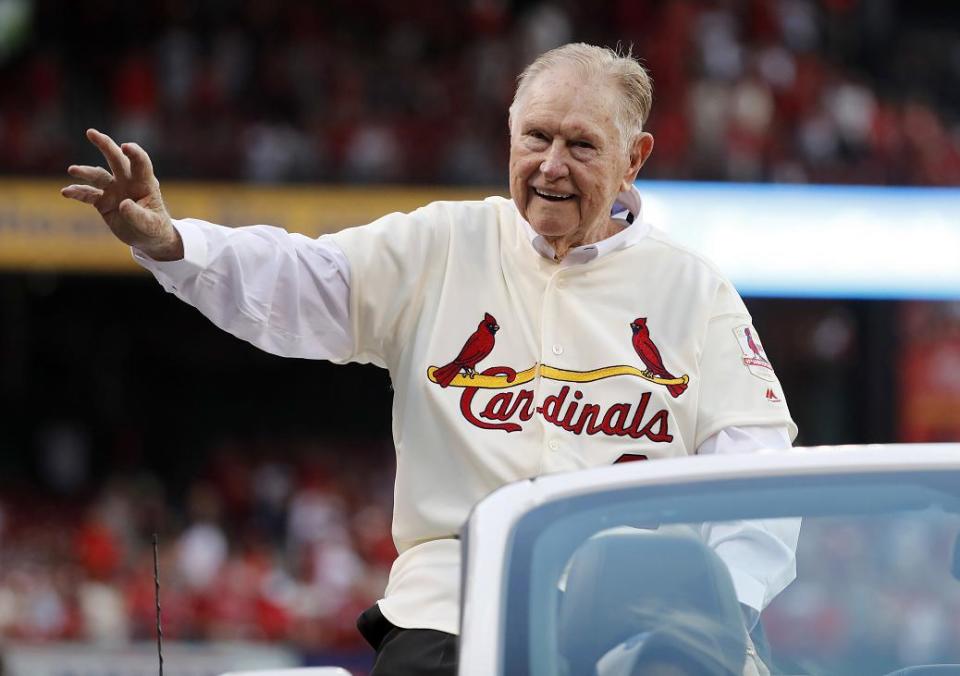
(553,444)
(557,349)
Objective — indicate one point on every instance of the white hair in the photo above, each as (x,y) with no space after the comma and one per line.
(618,66)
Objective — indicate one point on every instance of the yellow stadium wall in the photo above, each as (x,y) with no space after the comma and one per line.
(40,230)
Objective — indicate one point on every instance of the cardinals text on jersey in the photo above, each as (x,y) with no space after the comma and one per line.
(565,409)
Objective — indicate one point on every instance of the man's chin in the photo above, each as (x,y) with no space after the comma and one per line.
(550,226)
(552,231)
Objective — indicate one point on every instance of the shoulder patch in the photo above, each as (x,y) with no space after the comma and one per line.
(754,357)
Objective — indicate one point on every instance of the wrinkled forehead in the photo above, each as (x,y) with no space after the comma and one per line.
(569,93)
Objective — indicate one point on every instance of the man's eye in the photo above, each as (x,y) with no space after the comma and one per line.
(539,135)
(583,144)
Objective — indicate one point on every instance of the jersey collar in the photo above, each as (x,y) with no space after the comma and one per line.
(627,210)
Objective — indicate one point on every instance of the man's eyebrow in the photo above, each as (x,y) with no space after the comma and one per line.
(581,133)
(575,132)
(533,123)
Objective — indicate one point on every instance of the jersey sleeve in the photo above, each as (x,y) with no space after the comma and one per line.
(395,263)
(283,292)
(738,386)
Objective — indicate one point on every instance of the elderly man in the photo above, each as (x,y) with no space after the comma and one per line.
(550,332)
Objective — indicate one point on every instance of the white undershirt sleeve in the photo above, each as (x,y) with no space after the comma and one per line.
(286,293)
(760,554)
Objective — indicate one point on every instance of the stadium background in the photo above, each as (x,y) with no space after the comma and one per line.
(269,481)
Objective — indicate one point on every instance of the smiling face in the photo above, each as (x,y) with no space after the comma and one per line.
(568,160)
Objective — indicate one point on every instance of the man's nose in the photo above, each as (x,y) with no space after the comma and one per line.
(554,165)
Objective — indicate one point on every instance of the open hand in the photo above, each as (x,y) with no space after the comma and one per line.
(127,198)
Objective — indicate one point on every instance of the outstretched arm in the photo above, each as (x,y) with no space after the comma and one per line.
(285,293)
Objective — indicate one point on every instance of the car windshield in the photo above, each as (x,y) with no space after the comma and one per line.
(660,580)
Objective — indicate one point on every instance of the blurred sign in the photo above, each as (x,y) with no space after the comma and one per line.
(40,230)
(179,659)
(771,240)
(817,241)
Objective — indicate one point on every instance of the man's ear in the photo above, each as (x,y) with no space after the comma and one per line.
(639,152)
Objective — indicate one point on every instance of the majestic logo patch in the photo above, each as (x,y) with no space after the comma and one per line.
(772,396)
(754,357)
(564,409)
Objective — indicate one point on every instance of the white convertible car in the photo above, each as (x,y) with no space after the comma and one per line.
(602,572)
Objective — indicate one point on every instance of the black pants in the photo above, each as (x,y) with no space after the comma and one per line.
(407,652)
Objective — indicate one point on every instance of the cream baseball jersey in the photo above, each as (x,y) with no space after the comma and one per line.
(505,364)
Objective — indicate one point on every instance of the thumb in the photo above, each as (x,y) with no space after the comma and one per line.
(150,231)
(134,214)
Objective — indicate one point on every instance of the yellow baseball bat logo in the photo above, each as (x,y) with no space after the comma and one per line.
(551,373)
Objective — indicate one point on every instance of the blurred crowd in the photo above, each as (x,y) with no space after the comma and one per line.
(288,541)
(835,91)
(871,592)
(287,545)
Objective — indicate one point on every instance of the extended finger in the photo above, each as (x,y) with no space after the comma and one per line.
(141,168)
(82,193)
(119,164)
(96,176)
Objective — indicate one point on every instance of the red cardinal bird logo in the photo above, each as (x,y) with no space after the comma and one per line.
(478,346)
(754,345)
(650,355)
